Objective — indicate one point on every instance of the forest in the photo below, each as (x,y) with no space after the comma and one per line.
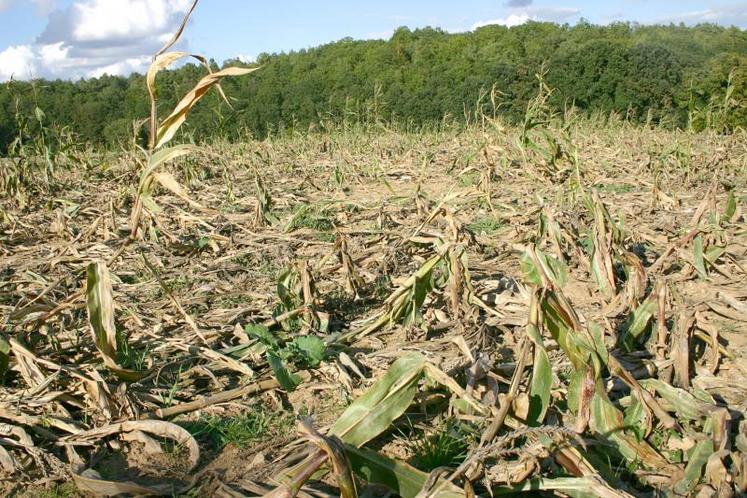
(673,75)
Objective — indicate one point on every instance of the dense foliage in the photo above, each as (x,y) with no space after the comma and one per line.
(682,76)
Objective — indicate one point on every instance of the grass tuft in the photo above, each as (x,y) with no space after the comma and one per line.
(486,225)
(448,447)
(257,424)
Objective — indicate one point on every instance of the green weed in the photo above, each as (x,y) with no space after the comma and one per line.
(469,179)
(64,490)
(311,217)
(254,425)
(448,447)
(616,188)
(129,356)
(487,225)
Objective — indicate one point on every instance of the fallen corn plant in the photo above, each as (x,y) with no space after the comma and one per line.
(587,397)
(366,418)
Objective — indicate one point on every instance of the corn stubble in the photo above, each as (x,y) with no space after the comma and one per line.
(591,337)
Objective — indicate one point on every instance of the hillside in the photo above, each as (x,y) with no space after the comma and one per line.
(672,74)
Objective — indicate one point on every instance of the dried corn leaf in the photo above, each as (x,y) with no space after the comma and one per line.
(100,305)
(90,481)
(159,428)
(336,455)
(171,124)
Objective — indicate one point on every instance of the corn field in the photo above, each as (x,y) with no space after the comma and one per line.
(555,308)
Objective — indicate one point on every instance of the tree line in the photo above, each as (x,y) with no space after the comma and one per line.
(675,75)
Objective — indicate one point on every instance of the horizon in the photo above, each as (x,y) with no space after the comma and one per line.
(82,39)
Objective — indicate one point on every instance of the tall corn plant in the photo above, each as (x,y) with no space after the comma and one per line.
(535,134)
(98,289)
(162,133)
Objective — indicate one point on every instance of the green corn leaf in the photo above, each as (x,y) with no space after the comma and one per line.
(635,417)
(530,270)
(385,401)
(286,289)
(539,391)
(637,322)
(607,421)
(697,460)
(553,268)
(713,253)
(404,480)
(561,321)
(4,358)
(698,258)
(685,405)
(731,207)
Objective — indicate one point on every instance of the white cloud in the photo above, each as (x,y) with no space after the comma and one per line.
(17,62)
(105,20)
(53,54)
(520,16)
(127,66)
(246,58)
(400,18)
(511,20)
(90,38)
(727,15)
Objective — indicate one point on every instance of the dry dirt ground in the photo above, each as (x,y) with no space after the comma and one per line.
(201,271)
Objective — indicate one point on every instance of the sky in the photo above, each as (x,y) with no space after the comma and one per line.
(73,39)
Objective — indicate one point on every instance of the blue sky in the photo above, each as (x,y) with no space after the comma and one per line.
(84,38)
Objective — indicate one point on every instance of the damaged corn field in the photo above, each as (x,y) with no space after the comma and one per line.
(554,308)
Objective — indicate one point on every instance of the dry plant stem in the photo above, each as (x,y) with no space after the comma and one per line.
(204,402)
(177,304)
(337,458)
(71,300)
(153,109)
(500,417)
(661,321)
(49,364)
(43,293)
(277,320)
(68,303)
(680,348)
(671,249)
(291,489)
